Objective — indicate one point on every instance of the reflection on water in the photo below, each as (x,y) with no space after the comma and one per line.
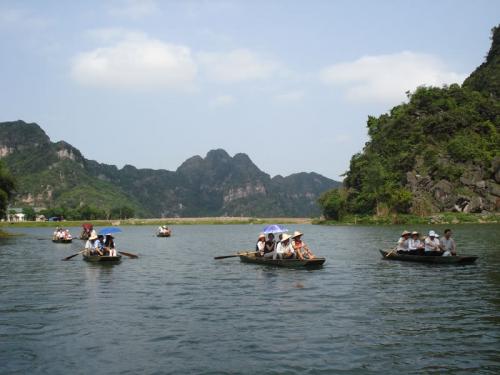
(176,310)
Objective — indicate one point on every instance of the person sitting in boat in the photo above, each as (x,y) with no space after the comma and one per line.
(99,245)
(432,245)
(300,248)
(109,245)
(448,244)
(261,245)
(269,246)
(403,243)
(90,245)
(67,235)
(415,246)
(284,249)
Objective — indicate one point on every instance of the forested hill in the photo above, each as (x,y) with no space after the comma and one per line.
(57,175)
(438,152)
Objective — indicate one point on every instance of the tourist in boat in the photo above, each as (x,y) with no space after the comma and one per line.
(448,244)
(261,244)
(432,245)
(269,246)
(109,245)
(415,246)
(300,248)
(284,249)
(90,245)
(67,235)
(403,243)
(99,244)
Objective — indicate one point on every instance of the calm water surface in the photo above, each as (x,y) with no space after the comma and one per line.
(176,310)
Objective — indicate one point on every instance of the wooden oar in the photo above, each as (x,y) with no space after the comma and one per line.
(72,256)
(390,252)
(130,255)
(233,255)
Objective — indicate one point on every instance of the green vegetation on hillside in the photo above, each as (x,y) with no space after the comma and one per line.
(6,189)
(438,152)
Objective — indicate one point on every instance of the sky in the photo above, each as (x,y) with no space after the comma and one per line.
(290,83)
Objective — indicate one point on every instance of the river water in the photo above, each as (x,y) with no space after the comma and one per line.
(177,310)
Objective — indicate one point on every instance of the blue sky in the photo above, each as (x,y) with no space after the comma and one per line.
(290,83)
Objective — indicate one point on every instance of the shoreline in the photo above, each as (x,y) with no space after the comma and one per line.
(451,218)
(162,221)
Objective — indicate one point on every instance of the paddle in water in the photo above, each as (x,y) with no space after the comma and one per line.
(74,255)
(233,255)
(130,255)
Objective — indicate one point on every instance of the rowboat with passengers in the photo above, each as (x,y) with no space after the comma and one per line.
(459,259)
(250,257)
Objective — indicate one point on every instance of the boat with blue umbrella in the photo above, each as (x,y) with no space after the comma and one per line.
(274,228)
(106,231)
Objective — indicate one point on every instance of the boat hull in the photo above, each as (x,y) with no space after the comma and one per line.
(163,235)
(101,258)
(62,241)
(289,263)
(464,259)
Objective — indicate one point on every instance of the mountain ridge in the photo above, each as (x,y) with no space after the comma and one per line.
(57,174)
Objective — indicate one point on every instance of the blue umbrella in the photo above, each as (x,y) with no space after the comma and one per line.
(110,230)
(274,228)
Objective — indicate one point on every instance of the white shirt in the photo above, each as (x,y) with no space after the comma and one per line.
(431,245)
(282,248)
(402,244)
(414,244)
(260,246)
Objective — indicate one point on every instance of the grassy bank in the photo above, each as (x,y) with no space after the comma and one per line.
(440,218)
(165,221)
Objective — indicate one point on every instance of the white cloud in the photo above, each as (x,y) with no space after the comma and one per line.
(222,101)
(290,96)
(386,78)
(135,60)
(133,9)
(236,66)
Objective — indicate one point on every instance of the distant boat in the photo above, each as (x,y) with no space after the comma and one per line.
(290,263)
(62,240)
(164,233)
(462,259)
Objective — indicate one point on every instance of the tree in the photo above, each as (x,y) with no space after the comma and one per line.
(123,212)
(29,213)
(7,188)
(333,203)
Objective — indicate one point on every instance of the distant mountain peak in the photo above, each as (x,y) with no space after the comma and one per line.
(215,185)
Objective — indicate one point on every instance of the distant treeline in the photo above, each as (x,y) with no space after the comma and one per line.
(84,212)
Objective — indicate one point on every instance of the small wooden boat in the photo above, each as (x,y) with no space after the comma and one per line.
(462,259)
(166,234)
(101,258)
(62,240)
(291,263)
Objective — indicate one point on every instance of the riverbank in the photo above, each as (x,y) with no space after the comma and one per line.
(440,218)
(397,219)
(164,221)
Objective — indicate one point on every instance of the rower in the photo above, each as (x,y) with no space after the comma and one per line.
(448,244)
(301,249)
(402,246)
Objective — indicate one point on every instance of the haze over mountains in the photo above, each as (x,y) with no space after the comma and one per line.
(52,174)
